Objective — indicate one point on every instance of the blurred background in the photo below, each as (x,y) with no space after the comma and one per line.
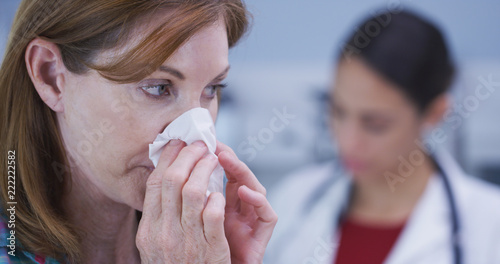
(273,112)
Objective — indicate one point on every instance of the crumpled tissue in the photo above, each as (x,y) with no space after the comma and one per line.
(193,125)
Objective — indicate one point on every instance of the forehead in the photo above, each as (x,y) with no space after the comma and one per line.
(210,39)
(204,56)
(209,44)
(357,85)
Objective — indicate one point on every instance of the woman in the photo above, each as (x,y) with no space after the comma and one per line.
(86,86)
(401,199)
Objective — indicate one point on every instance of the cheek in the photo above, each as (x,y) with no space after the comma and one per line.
(86,124)
(399,142)
(129,134)
(213,109)
(107,136)
(105,127)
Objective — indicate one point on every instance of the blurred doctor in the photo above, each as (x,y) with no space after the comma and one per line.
(396,198)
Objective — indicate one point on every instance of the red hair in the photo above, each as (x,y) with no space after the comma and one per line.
(81,29)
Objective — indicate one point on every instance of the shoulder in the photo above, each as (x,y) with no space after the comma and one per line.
(480,214)
(304,194)
(480,207)
(476,197)
(11,250)
(291,198)
(480,196)
(306,177)
(297,186)
(478,204)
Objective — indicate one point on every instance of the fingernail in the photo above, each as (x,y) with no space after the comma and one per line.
(199,144)
(174,142)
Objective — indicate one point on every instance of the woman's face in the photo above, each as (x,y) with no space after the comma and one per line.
(372,121)
(107,127)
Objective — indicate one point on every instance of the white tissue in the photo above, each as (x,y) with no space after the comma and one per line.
(193,125)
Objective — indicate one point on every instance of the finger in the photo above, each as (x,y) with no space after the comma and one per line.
(176,176)
(213,219)
(245,208)
(238,171)
(267,218)
(152,200)
(223,147)
(194,192)
(237,174)
(170,153)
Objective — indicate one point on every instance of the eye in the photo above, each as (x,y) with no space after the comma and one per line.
(376,127)
(157,90)
(337,112)
(211,91)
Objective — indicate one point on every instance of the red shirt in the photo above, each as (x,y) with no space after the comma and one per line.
(362,244)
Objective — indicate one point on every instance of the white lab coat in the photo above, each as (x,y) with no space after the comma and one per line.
(309,202)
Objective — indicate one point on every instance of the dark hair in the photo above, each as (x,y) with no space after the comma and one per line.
(407,50)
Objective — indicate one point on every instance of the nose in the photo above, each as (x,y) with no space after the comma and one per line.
(349,138)
(189,104)
(190,96)
(187,101)
(182,104)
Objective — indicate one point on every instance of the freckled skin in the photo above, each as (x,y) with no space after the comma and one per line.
(117,164)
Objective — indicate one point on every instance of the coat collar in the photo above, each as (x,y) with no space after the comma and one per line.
(427,235)
(425,238)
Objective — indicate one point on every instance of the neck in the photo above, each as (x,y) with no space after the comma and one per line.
(374,202)
(107,229)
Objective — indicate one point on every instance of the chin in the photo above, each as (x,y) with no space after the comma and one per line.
(365,175)
(369,176)
(137,207)
(137,188)
(135,199)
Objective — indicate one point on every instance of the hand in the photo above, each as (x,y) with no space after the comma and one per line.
(250,220)
(176,226)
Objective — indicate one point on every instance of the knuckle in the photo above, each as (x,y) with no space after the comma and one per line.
(263,190)
(173,178)
(142,240)
(207,161)
(188,226)
(168,244)
(260,189)
(153,181)
(274,217)
(193,150)
(213,215)
(148,238)
(193,193)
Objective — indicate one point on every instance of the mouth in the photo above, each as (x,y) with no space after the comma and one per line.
(355,165)
(148,169)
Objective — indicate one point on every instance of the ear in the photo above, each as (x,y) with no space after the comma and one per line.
(46,70)
(436,110)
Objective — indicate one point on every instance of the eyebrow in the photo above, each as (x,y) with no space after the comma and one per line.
(224,72)
(368,115)
(181,76)
(376,117)
(172,71)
